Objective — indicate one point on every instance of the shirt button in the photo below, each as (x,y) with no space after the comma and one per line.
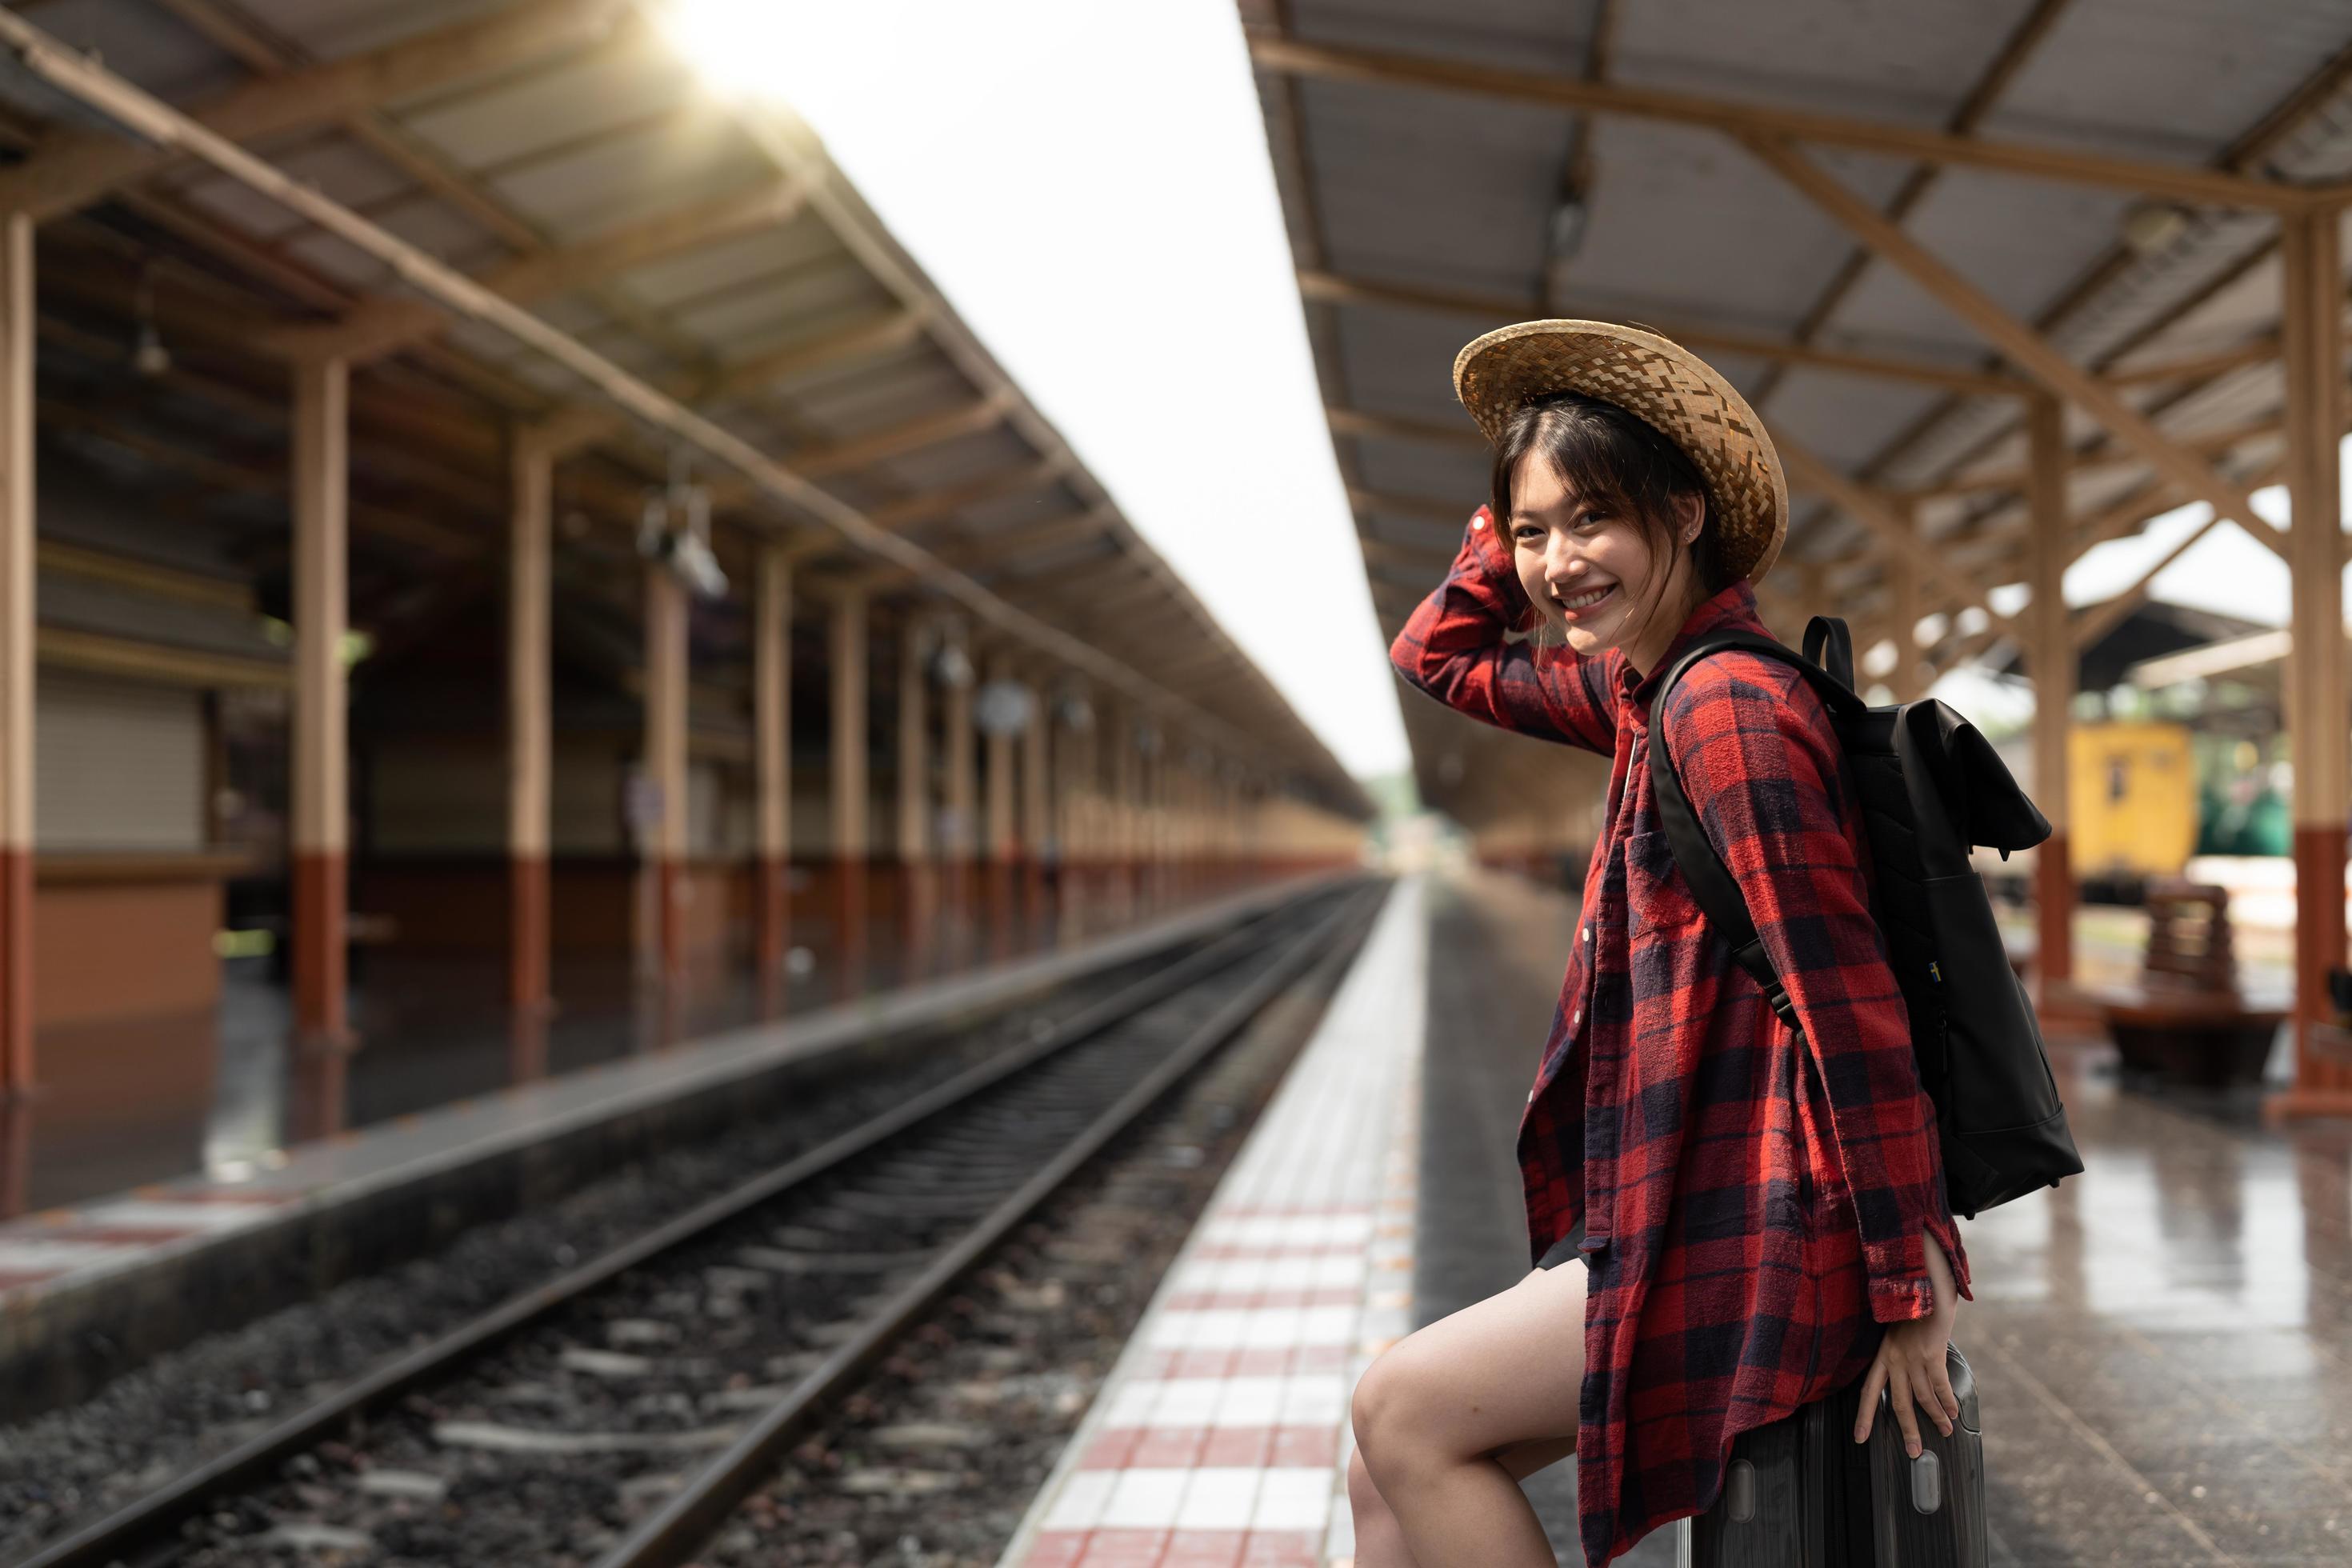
(1478,522)
(1586,933)
(1577,1017)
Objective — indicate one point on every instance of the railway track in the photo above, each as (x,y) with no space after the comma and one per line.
(680,1365)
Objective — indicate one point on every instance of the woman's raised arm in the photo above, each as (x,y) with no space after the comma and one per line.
(1454,650)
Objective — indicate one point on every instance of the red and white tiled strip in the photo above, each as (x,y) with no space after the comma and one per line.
(1221,1436)
(98,1237)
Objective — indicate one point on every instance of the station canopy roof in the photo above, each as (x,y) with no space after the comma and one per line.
(1885,222)
(559,155)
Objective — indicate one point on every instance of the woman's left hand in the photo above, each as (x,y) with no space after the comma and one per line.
(1910,1364)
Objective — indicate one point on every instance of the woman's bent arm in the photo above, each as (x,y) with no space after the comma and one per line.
(1453,648)
(1751,742)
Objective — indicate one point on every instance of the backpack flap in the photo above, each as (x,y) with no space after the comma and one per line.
(1980,796)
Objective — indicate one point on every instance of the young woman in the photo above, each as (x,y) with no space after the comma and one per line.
(1730,1218)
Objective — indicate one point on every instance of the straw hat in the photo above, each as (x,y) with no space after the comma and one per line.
(1659,382)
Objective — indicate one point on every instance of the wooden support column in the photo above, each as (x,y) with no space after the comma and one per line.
(1908,678)
(962,784)
(322,786)
(772,723)
(1036,777)
(16,612)
(665,767)
(1002,847)
(918,881)
(2319,710)
(847,653)
(2049,655)
(530,728)
(1125,803)
(914,744)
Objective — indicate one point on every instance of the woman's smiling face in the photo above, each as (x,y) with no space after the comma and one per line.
(1592,573)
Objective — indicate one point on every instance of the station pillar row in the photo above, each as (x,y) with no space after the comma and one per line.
(849,652)
(666,658)
(2318,702)
(529,724)
(771,697)
(2052,657)
(17,327)
(321,825)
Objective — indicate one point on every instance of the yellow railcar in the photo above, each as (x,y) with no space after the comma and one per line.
(2133,800)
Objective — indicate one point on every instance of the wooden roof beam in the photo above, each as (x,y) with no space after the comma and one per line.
(1452,514)
(1882,517)
(1007,544)
(1498,311)
(387,325)
(584,425)
(76,168)
(2200,187)
(1395,427)
(932,506)
(2206,444)
(2024,346)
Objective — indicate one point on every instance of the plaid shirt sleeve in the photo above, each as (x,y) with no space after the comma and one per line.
(1757,756)
(1453,648)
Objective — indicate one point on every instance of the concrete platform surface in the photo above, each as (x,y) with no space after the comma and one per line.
(2164,1344)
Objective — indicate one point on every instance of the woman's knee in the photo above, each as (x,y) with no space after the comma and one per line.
(1363,1495)
(1383,1411)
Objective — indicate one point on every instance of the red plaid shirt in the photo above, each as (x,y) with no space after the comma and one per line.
(1753,1203)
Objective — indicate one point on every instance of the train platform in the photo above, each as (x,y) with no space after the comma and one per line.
(2164,1344)
(137,1272)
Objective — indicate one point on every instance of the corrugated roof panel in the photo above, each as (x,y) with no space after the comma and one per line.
(905,390)
(918,374)
(2173,79)
(242,208)
(330,29)
(341,261)
(435,226)
(804,244)
(1416,469)
(783,309)
(1845,419)
(1520,34)
(1013,511)
(945,463)
(631,179)
(1685,221)
(144,43)
(1906,63)
(553,106)
(1402,362)
(2022,242)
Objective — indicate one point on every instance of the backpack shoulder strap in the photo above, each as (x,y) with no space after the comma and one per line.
(1711,882)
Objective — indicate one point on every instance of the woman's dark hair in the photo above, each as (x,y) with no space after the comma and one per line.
(1619,463)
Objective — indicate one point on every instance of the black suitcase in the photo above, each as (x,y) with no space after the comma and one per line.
(1801,1493)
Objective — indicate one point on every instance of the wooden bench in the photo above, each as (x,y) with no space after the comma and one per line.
(2186,1020)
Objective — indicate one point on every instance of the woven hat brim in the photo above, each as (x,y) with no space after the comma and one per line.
(1659,382)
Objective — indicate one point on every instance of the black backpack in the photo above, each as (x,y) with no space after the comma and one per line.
(1931,786)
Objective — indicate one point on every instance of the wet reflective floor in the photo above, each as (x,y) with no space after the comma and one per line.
(2163,1344)
(118,1105)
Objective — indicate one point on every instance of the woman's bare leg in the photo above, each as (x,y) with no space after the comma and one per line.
(1453,1417)
(1379,1539)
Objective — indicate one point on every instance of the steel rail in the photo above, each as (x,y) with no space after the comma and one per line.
(140,1523)
(142,114)
(670,1536)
